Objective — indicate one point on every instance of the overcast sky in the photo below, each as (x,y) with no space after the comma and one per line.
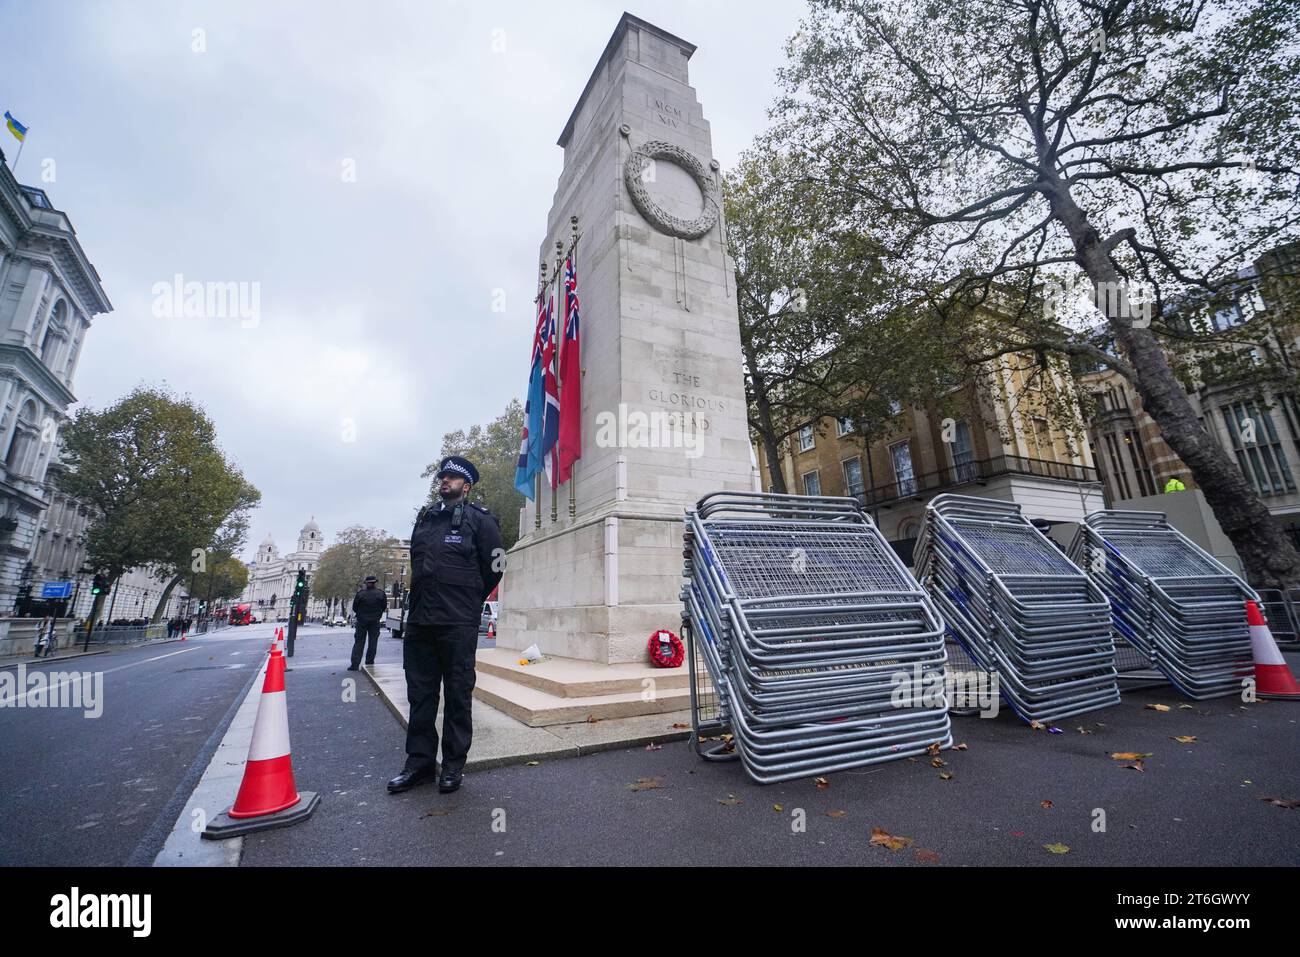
(375,317)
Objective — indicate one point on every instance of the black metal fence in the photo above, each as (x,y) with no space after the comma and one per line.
(975,472)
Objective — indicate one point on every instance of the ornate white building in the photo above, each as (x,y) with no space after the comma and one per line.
(49,293)
(271,578)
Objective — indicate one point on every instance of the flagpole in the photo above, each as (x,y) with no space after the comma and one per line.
(537,477)
(21,143)
(573,466)
(555,452)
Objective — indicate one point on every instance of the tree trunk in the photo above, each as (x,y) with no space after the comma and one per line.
(1270,559)
(167,594)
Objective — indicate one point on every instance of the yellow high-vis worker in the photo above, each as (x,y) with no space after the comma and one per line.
(1175,484)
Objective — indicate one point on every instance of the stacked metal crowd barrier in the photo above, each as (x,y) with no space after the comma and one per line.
(1019,607)
(822,652)
(1171,600)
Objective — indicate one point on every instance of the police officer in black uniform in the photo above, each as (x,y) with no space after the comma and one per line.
(369,606)
(456,562)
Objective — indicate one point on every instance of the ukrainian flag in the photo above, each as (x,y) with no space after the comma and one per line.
(17,129)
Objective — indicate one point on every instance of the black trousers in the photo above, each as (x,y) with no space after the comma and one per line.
(359,642)
(439,659)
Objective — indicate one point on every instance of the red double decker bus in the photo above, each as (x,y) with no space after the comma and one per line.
(241,615)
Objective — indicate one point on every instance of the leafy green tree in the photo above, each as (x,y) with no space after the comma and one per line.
(161,489)
(357,552)
(823,333)
(226,577)
(494,450)
(1143,150)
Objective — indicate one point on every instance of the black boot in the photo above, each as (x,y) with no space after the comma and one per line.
(449,780)
(410,777)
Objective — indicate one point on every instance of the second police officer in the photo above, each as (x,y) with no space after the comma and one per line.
(456,562)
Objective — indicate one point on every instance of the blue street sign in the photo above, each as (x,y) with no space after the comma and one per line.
(56,590)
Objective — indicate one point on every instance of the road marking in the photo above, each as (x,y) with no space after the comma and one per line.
(155,658)
(76,676)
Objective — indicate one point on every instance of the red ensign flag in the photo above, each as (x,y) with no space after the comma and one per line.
(570,444)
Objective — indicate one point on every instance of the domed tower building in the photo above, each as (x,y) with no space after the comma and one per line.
(307,557)
(271,578)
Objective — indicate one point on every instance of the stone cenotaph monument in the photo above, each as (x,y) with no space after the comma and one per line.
(663,402)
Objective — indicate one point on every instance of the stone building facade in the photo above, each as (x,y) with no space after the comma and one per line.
(271,577)
(1255,418)
(994,437)
(50,294)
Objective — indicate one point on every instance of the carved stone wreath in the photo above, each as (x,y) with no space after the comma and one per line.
(656,215)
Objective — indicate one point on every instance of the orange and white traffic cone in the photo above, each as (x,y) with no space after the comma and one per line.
(267,795)
(1273,677)
(492,629)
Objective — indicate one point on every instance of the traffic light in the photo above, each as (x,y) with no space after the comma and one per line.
(97,584)
(300,584)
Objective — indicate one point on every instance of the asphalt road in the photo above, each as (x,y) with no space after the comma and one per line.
(1196,803)
(105,790)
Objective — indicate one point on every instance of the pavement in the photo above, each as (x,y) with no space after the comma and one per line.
(123,788)
(500,739)
(1011,793)
(91,791)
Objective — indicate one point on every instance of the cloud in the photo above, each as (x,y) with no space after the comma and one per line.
(230,165)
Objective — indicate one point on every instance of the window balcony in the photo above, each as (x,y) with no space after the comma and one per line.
(976,472)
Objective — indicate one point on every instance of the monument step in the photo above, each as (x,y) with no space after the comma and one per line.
(577,678)
(539,709)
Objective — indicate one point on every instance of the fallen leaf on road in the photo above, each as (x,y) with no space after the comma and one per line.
(960,747)
(932,749)
(646,784)
(1185,738)
(654,747)
(1157,707)
(835,813)
(926,857)
(592,719)
(1282,802)
(1083,730)
(1057,848)
(1136,766)
(1186,707)
(882,838)
(822,783)
(532,764)
(945,775)
(1130,755)
(730,800)
(777,807)
(1044,804)
(938,763)
(676,725)
(1036,725)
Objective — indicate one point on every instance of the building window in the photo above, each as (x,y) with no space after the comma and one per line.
(1137,455)
(1122,490)
(1259,453)
(853,476)
(812,483)
(1043,439)
(843,426)
(806,440)
(1227,316)
(895,407)
(963,454)
(901,454)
